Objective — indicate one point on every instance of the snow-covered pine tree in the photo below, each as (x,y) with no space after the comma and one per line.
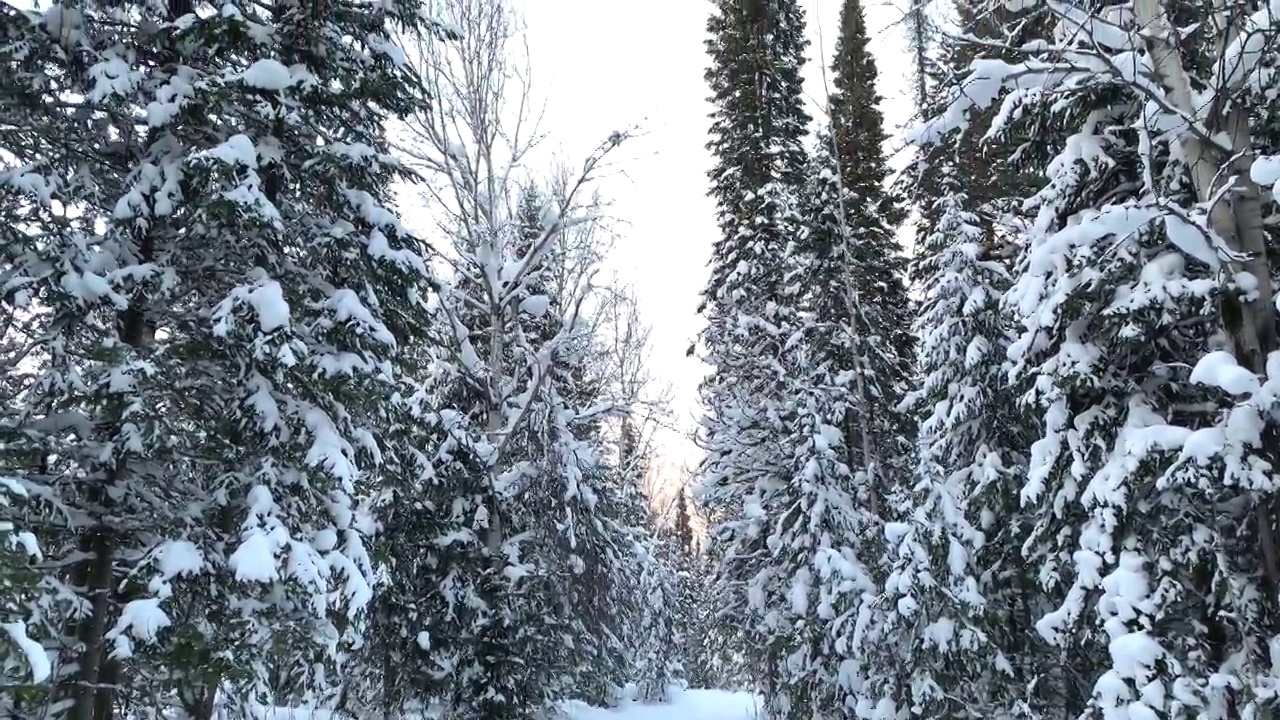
(708,655)
(44,185)
(848,366)
(678,605)
(687,606)
(657,663)
(824,541)
(395,671)
(522,553)
(607,540)
(1145,297)
(864,281)
(27,53)
(221,293)
(757,51)
(646,613)
(958,585)
(563,543)
(957,573)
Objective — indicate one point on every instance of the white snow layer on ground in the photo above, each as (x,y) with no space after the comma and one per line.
(685,705)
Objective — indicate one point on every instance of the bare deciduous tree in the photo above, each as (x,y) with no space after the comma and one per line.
(472,149)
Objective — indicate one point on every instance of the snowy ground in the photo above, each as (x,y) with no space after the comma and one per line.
(687,705)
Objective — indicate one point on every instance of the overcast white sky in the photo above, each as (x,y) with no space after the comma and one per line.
(601,65)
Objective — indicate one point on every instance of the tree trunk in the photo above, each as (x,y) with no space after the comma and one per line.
(1249,321)
(93,575)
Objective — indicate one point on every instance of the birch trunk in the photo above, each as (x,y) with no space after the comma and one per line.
(494,424)
(1248,320)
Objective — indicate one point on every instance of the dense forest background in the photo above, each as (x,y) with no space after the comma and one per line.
(265,445)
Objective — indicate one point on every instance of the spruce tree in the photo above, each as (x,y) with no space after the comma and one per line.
(223,293)
(36,169)
(958,584)
(958,575)
(1156,566)
(757,128)
(849,366)
(865,272)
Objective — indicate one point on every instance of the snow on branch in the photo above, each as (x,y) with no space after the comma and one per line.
(522,247)
(1088,50)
